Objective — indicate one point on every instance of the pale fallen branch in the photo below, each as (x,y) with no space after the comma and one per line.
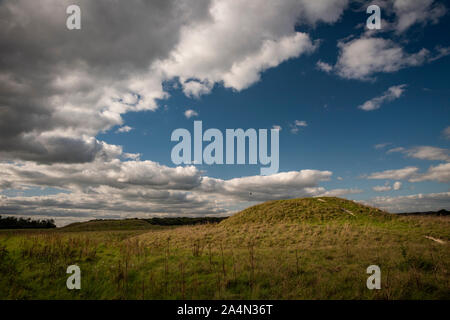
(348,211)
(436,240)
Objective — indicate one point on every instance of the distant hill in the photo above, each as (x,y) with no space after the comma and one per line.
(181,221)
(108,224)
(441,212)
(136,224)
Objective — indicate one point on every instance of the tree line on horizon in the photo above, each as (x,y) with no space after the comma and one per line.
(25,223)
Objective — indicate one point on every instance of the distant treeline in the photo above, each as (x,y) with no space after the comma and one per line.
(22,223)
(183,221)
(442,212)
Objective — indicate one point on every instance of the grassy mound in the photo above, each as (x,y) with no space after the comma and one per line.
(103,225)
(138,224)
(311,209)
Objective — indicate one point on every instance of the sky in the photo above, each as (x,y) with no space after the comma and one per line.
(86,116)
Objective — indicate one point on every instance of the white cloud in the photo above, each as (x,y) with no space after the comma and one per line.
(412,203)
(195,89)
(132,156)
(410,12)
(277,127)
(242,39)
(440,173)
(326,67)
(398,174)
(391,94)
(381,145)
(248,71)
(340,192)
(295,127)
(396,186)
(424,153)
(72,95)
(441,52)
(397,149)
(361,58)
(428,153)
(407,13)
(190,113)
(261,188)
(381,188)
(124,129)
(141,188)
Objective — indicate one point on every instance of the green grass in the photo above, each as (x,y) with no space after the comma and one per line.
(102,225)
(288,249)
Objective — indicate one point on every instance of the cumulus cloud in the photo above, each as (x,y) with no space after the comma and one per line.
(99,189)
(326,67)
(410,12)
(439,173)
(278,186)
(193,88)
(51,147)
(340,192)
(397,174)
(142,188)
(397,185)
(58,86)
(237,74)
(61,88)
(190,113)
(428,153)
(390,94)
(242,39)
(424,153)
(272,53)
(124,129)
(412,203)
(363,57)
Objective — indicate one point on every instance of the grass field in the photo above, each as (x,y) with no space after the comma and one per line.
(289,249)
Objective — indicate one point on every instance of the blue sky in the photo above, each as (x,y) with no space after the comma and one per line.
(339,136)
(361,149)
